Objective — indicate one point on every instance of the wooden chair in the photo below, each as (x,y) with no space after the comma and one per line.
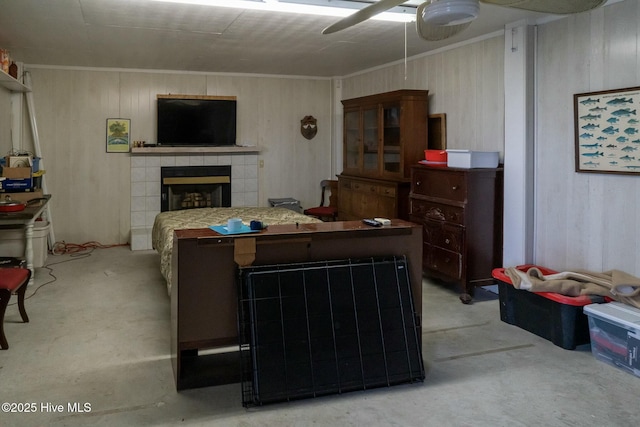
(330,212)
(12,281)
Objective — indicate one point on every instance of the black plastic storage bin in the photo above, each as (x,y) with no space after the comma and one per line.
(555,317)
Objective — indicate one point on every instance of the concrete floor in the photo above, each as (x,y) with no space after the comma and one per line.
(99,334)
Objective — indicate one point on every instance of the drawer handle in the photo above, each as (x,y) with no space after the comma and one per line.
(447,241)
(455,187)
(418,183)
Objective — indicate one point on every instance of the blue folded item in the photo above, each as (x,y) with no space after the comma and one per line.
(222,229)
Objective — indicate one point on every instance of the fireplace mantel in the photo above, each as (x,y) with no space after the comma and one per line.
(237,149)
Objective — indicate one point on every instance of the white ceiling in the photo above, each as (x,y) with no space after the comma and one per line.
(143,34)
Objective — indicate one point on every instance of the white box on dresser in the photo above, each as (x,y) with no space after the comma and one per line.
(468,159)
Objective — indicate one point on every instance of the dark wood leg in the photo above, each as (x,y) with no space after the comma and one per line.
(20,293)
(5,295)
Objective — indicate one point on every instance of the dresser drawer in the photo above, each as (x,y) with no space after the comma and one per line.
(436,211)
(445,236)
(446,262)
(443,184)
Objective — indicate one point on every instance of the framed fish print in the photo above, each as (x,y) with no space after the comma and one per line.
(607,131)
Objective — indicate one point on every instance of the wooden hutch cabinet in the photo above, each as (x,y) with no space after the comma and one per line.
(461,215)
(384,135)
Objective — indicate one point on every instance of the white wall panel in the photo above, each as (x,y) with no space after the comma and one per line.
(587,221)
(465,83)
(92,189)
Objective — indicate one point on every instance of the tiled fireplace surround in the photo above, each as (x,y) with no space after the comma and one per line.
(145,185)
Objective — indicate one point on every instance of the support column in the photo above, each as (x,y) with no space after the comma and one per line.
(519,119)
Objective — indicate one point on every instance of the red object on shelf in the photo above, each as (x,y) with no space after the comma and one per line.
(435,156)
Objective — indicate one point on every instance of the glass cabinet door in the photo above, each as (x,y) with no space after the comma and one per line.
(352,140)
(391,156)
(371,140)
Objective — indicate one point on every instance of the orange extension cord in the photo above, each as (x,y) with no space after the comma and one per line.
(61,248)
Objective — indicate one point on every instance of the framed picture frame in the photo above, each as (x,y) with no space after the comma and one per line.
(607,131)
(437,137)
(118,135)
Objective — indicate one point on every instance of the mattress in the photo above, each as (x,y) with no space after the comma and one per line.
(166,222)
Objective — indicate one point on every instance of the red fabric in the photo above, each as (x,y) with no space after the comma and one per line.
(321,211)
(12,278)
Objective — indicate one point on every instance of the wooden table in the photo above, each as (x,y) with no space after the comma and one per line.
(204,289)
(26,219)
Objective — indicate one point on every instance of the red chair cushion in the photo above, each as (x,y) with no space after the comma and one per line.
(321,211)
(12,278)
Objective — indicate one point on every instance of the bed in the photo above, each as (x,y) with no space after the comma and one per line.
(166,222)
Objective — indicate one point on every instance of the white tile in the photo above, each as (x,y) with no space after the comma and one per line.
(138,204)
(196,160)
(224,160)
(237,185)
(237,159)
(139,240)
(251,198)
(182,160)
(251,185)
(138,189)
(237,200)
(137,161)
(138,174)
(168,161)
(152,174)
(138,219)
(211,159)
(251,159)
(251,172)
(238,171)
(153,189)
(152,203)
(152,161)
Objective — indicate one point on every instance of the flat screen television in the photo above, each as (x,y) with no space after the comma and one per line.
(198,121)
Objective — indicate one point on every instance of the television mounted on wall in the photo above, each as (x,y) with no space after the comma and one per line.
(196,121)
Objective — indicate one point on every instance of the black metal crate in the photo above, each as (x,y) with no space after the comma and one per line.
(312,329)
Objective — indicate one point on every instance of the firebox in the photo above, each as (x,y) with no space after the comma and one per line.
(188,187)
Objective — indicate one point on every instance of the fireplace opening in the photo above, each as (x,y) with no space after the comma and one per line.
(190,187)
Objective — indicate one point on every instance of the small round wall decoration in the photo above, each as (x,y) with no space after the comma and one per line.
(309,127)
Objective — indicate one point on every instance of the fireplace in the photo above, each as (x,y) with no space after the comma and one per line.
(188,187)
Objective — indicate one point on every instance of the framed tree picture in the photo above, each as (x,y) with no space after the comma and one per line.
(118,135)
(607,131)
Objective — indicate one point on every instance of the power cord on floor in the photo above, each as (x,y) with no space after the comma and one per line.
(76,252)
(62,247)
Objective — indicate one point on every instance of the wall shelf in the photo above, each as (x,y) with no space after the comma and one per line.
(195,150)
(12,84)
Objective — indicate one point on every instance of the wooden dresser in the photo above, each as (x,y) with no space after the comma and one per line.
(461,215)
(384,135)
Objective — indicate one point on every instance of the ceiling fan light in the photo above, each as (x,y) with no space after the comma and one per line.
(451,12)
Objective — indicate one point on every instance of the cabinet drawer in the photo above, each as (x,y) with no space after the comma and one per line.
(443,184)
(437,211)
(446,262)
(445,236)
(386,191)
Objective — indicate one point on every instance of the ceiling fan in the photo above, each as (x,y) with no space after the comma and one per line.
(441,19)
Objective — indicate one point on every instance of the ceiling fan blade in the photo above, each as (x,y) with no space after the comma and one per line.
(362,15)
(441,19)
(560,7)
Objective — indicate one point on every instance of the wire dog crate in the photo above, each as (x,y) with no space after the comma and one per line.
(329,327)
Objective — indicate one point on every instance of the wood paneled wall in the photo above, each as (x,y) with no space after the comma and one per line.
(91,188)
(586,221)
(465,83)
